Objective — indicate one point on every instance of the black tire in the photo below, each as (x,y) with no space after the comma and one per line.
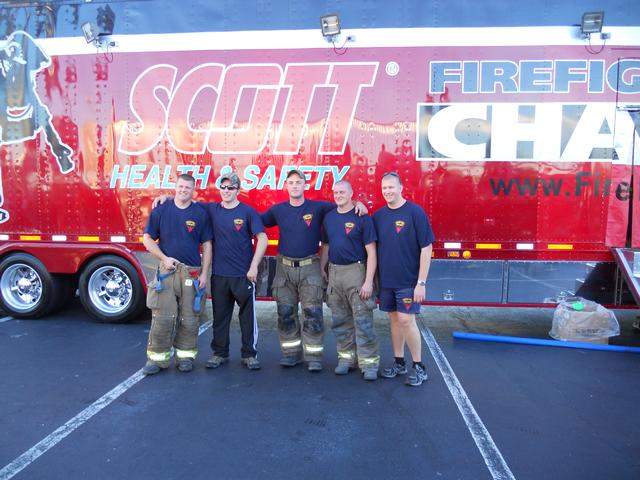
(27,289)
(110,290)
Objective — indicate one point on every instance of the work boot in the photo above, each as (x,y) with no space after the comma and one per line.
(215,361)
(185,364)
(314,366)
(416,377)
(290,360)
(150,368)
(394,370)
(343,367)
(251,363)
(370,374)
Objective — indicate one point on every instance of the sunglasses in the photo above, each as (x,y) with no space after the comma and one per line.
(228,187)
(391,174)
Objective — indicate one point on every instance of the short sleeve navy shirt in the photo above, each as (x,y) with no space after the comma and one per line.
(233,229)
(299,226)
(402,233)
(180,230)
(347,234)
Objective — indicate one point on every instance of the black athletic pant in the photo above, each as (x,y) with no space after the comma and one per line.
(226,291)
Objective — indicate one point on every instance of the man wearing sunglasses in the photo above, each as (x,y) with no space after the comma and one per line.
(235,269)
(405,242)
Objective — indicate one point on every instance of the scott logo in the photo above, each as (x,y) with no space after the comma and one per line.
(22,114)
(231,109)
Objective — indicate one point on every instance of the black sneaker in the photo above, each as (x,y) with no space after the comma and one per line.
(416,377)
(394,370)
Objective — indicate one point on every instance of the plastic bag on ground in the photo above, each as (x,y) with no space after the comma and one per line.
(579,320)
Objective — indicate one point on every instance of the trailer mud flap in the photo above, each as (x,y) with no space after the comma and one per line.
(623,209)
(618,207)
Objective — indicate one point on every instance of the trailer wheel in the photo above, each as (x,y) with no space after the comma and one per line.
(110,290)
(28,289)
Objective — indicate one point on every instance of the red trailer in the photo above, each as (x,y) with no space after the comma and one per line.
(521,144)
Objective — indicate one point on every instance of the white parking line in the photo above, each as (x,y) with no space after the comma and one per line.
(492,457)
(47,443)
(5,319)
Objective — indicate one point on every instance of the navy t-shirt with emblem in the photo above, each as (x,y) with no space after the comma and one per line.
(402,233)
(233,229)
(299,226)
(181,231)
(347,234)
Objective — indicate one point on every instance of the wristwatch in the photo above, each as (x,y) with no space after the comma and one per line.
(422,283)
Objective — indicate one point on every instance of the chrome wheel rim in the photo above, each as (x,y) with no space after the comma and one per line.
(110,290)
(21,287)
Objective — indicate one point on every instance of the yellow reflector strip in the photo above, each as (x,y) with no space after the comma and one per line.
(313,348)
(158,356)
(560,246)
(140,239)
(186,353)
(272,242)
(374,360)
(87,238)
(31,237)
(488,246)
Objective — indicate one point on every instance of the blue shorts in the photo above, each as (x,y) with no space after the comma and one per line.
(398,300)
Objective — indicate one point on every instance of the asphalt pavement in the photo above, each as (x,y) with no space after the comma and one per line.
(75,405)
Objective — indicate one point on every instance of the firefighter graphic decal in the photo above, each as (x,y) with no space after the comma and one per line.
(348,226)
(22,115)
(307,219)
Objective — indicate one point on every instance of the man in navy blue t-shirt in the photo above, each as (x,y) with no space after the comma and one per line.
(404,255)
(349,248)
(181,226)
(298,277)
(235,269)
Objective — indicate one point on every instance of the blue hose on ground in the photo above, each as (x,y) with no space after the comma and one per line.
(540,341)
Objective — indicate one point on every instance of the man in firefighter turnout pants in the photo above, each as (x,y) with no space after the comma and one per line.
(298,277)
(181,226)
(349,245)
